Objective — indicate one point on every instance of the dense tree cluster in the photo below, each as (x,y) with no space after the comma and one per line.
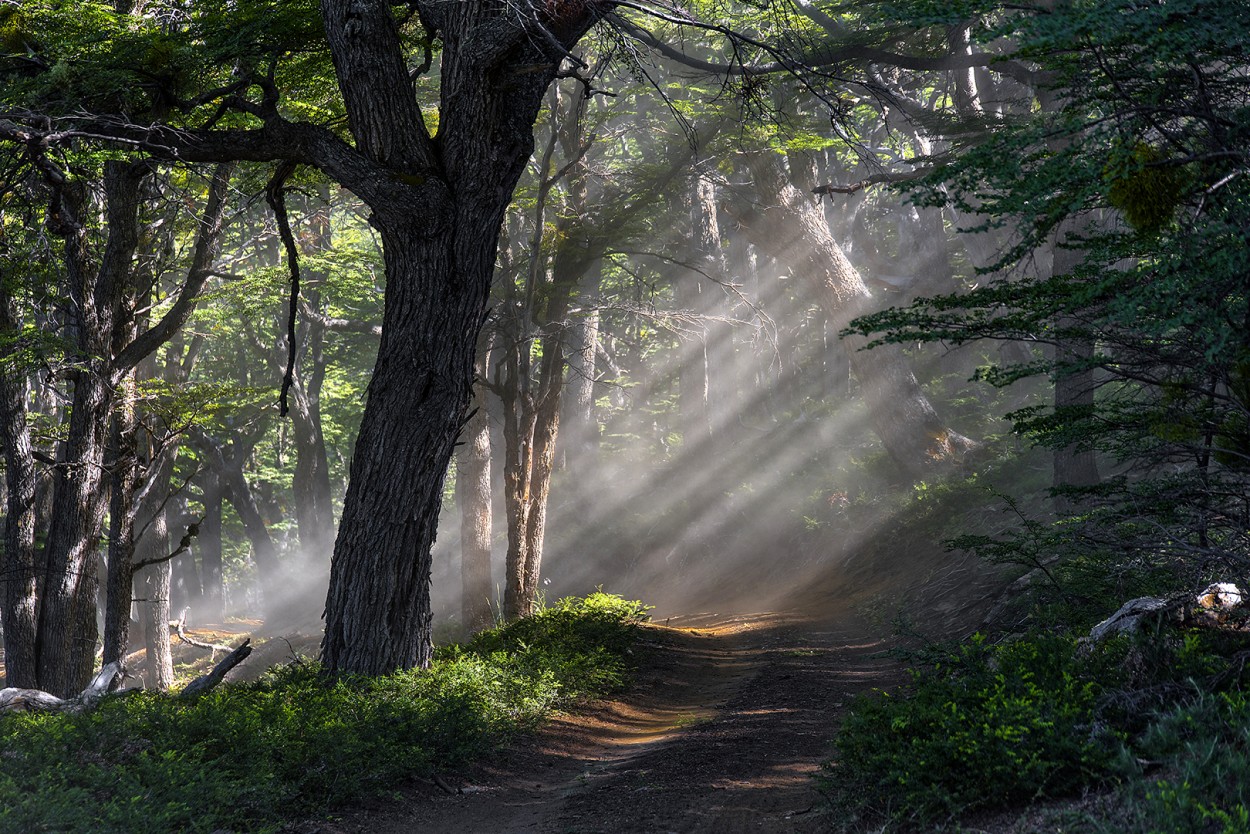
(268,269)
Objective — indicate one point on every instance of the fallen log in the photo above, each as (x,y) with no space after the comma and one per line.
(205,683)
(14,699)
(1220,606)
(182,635)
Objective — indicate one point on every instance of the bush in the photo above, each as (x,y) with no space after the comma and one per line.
(1157,723)
(983,726)
(248,757)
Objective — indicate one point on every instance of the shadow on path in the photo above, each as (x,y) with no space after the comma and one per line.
(729,720)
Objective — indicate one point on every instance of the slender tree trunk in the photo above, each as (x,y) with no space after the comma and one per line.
(473,498)
(155,595)
(314,507)
(693,290)
(531,427)
(121,547)
(314,511)
(208,544)
(1073,465)
(236,489)
(579,437)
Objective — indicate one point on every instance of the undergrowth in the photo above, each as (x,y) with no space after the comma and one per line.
(295,745)
(1159,726)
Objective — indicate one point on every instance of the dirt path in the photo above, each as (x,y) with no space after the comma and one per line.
(729,720)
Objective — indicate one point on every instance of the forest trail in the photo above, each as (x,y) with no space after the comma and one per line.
(729,719)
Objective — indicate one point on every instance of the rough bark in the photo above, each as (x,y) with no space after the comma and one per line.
(67,629)
(17,562)
(437,204)
(378,609)
(440,237)
(100,324)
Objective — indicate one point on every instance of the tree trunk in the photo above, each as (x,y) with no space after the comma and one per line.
(314,510)
(17,562)
(440,234)
(236,489)
(692,292)
(378,608)
(579,437)
(155,580)
(314,507)
(208,545)
(473,499)
(1073,465)
(123,453)
(791,226)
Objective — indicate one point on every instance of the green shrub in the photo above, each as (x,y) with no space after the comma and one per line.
(1199,779)
(983,727)
(248,757)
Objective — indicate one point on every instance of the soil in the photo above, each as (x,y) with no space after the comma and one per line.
(725,729)
(728,722)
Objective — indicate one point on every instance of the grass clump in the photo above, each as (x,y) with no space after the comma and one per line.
(294,745)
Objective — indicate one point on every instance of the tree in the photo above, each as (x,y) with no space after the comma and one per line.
(437,181)
(1136,171)
(437,203)
(54,631)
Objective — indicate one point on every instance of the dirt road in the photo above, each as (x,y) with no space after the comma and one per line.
(730,718)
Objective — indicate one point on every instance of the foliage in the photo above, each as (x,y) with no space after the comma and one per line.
(983,726)
(1125,165)
(1162,723)
(1202,782)
(246,757)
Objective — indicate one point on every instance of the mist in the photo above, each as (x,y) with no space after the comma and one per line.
(725,455)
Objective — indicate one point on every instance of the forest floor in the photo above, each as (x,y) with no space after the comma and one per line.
(726,725)
(728,721)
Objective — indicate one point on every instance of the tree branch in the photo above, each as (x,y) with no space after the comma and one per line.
(275,195)
(207,244)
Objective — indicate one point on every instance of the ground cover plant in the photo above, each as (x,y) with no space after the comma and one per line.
(1159,724)
(294,745)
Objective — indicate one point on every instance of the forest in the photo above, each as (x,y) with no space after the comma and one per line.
(625,416)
